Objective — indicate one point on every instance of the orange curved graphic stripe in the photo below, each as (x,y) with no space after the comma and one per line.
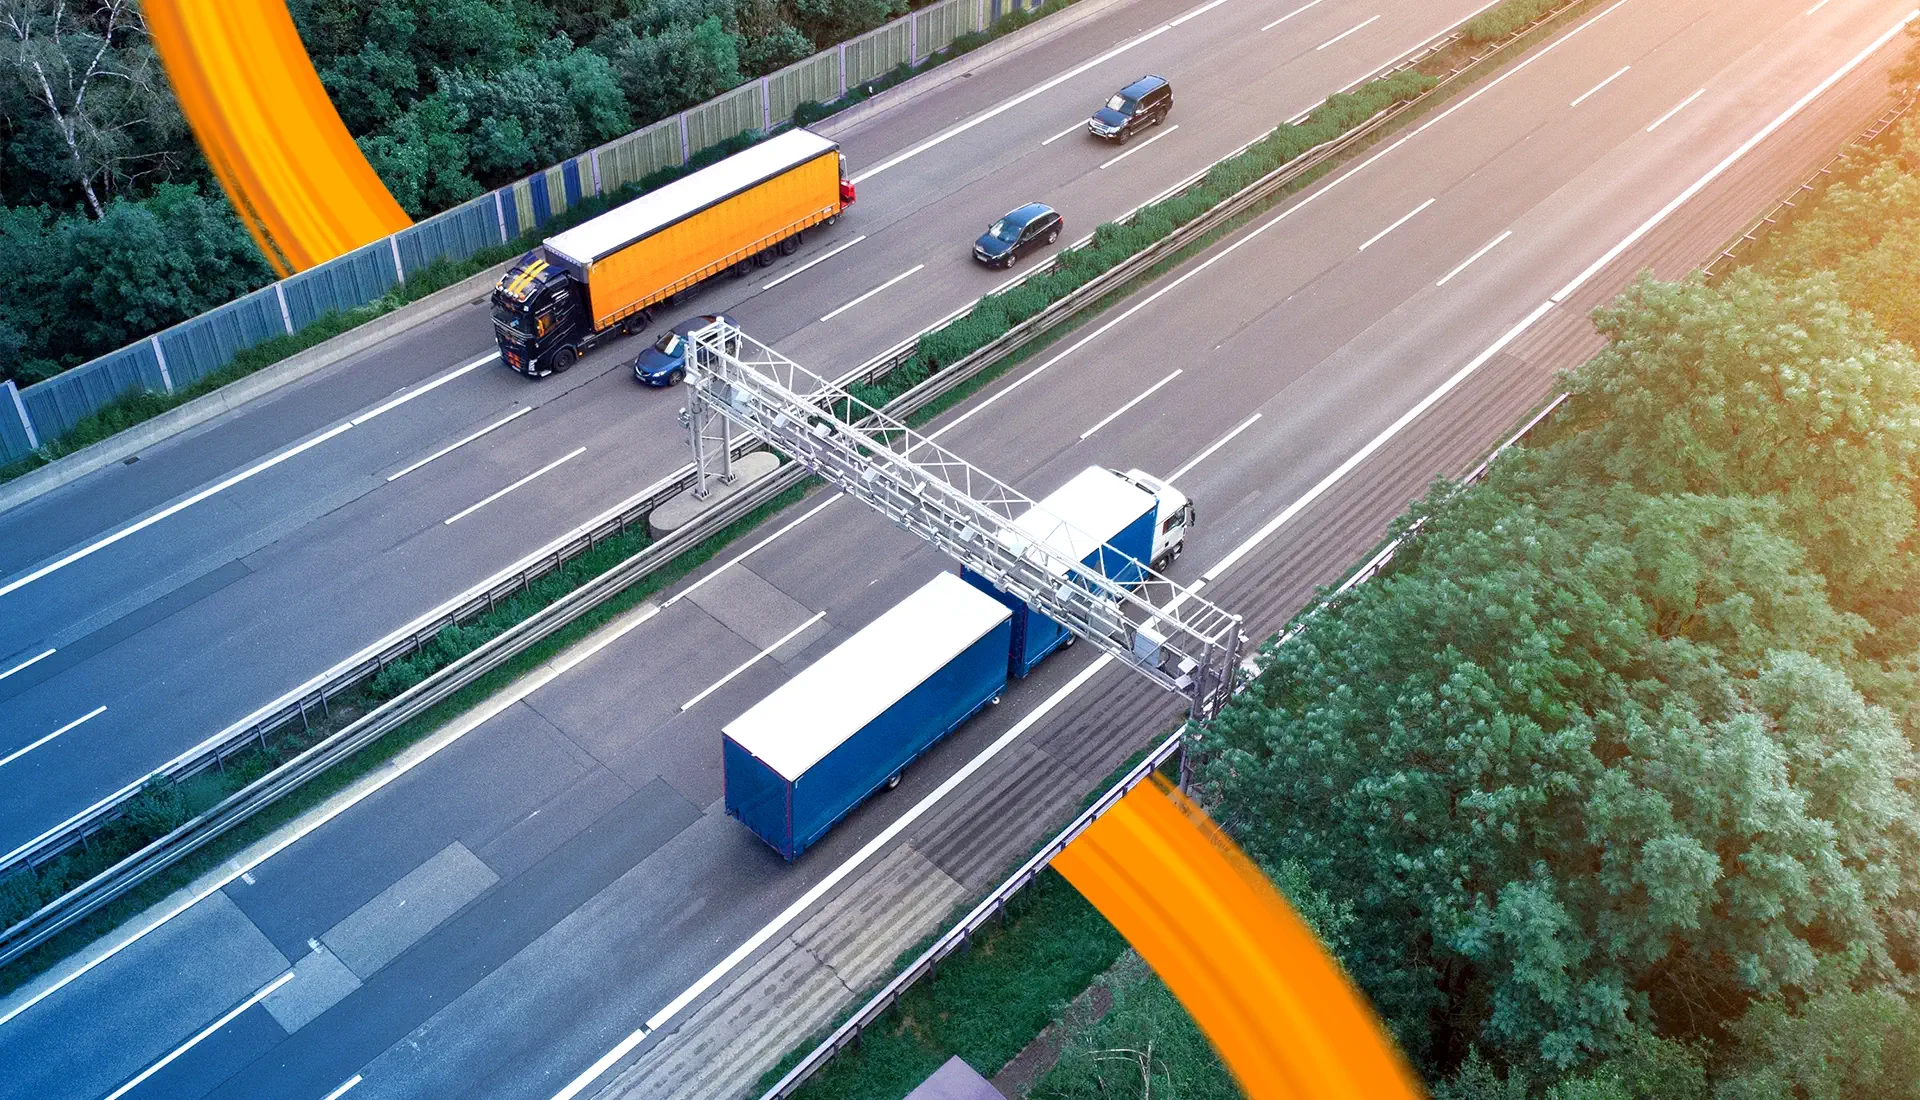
(274,140)
(1269,997)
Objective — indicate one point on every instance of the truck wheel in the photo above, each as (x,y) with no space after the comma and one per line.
(1175,555)
(789,246)
(831,219)
(893,780)
(565,357)
(766,256)
(636,322)
(739,270)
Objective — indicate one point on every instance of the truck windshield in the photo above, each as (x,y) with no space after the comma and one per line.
(515,321)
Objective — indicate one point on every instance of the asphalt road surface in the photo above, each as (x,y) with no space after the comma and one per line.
(287,538)
(527,889)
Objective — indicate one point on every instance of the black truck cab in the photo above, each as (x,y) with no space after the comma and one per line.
(540,317)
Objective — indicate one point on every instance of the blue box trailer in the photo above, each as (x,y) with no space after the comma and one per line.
(1099,519)
(803,757)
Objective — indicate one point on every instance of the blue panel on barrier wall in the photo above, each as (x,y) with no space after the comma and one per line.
(210,341)
(542,209)
(454,235)
(351,280)
(62,401)
(13,434)
(570,175)
(510,213)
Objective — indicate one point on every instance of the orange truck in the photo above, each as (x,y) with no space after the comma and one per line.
(604,276)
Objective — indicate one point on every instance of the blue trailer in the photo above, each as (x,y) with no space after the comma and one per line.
(803,757)
(1102,518)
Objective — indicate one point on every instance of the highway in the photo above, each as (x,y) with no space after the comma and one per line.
(152,605)
(536,886)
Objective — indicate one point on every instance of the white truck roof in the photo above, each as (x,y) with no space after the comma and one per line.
(1097,503)
(628,222)
(830,700)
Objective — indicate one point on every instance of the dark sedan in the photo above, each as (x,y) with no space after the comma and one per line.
(1020,231)
(664,362)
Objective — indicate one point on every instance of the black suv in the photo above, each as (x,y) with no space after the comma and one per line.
(1145,102)
(1023,229)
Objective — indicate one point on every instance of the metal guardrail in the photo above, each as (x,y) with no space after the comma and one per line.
(300,704)
(1744,241)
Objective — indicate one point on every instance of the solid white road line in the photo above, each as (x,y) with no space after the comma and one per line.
(873,292)
(1589,92)
(1345,33)
(1196,460)
(1142,145)
(1291,14)
(1746,147)
(824,886)
(452,447)
(1676,110)
(750,662)
(223,1021)
(742,555)
(555,464)
(409,395)
(1404,219)
(336,1094)
(172,509)
(18,753)
(28,663)
(1115,414)
(1076,127)
(1817,7)
(822,258)
(396,768)
(956,131)
(1468,262)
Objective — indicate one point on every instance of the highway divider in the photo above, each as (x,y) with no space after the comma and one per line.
(910,381)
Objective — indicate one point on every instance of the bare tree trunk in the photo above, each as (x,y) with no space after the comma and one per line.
(39,33)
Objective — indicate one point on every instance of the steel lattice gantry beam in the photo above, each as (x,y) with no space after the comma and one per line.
(1164,631)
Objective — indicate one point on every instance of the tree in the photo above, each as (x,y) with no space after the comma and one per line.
(422,157)
(838,20)
(98,105)
(1836,1046)
(672,68)
(1766,389)
(545,109)
(1531,757)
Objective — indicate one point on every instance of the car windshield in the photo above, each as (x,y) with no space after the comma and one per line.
(668,344)
(1120,103)
(1005,230)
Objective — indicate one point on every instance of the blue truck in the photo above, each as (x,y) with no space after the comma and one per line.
(803,757)
(1114,523)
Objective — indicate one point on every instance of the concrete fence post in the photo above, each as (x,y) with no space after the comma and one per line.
(286,315)
(686,148)
(594,155)
(500,215)
(160,355)
(399,271)
(913,38)
(766,106)
(843,68)
(26,422)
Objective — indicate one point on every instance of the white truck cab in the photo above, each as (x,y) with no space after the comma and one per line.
(1172,518)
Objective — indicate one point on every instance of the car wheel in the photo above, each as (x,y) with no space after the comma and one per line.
(565,357)
(1068,644)
(1159,118)
(893,780)
(1011,257)
(1053,235)
(1121,137)
(678,376)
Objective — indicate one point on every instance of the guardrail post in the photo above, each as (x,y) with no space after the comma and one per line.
(159,353)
